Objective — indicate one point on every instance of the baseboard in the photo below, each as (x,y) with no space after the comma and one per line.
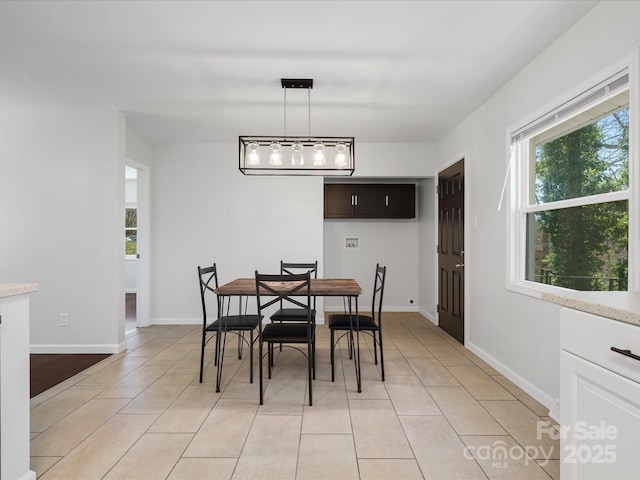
(339,308)
(525,385)
(429,317)
(29,475)
(79,348)
(130,290)
(554,411)
(176,321)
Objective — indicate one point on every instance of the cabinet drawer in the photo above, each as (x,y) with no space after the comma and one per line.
(591,337)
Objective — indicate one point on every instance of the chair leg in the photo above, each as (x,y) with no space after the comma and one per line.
(240,344)
(220,361)
(204,335)
(313,352)
(381,354)
(375,348)
(217,349)
(310,361)
(332,356)
(251,356)
(260,369)
(350,345)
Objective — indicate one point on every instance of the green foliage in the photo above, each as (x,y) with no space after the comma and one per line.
(131,248)
(588,241)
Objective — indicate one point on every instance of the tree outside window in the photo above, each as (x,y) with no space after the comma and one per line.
(582,245)
(131,231)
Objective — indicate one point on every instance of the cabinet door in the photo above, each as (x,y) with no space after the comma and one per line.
(601,419)
(369,201)
(400,201)
(338,200)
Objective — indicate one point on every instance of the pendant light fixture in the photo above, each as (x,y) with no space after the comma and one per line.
(296,155)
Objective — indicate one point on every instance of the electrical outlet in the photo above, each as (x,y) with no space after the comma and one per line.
(64,319)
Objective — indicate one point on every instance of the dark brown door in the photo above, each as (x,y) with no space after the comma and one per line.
(451,250)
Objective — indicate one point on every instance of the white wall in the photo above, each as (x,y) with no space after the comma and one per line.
(61,217)
(393,243)
(427,238)
(138,149)
(517,333)
(405,246)
(205,210)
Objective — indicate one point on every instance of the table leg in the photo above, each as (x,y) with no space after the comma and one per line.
(356,350)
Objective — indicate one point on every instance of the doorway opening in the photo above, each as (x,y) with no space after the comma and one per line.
(131,248)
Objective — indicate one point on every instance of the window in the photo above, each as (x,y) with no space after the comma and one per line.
(131,231)
(571,191)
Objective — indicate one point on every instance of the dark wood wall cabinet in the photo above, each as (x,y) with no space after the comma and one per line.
(377,200)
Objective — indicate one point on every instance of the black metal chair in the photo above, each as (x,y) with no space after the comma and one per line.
(295,314)
(237,324)
(292,314)
(294,291)
(348,324)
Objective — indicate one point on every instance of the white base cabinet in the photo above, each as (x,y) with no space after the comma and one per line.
(599,398)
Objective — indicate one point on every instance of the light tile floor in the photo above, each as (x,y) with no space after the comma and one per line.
(442,413)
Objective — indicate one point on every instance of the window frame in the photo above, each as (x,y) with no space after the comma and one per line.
(517,173)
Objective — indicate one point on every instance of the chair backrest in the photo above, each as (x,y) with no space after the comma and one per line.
(378,291)
(294,289)
(290,268)
(208,280)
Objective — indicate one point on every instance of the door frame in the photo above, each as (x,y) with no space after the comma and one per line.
(143,296)
(467,312)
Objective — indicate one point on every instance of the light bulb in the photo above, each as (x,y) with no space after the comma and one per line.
(297,157)
(275,158)
(254,156)
(318,155)
(341,155)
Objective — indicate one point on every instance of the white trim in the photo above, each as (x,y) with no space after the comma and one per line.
(176,321)
(29,475)
(633,282)
(578,202)
(428,316)
(518,380)
(515,251)
(77,348)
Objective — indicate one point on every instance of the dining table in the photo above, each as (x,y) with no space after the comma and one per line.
(348,288)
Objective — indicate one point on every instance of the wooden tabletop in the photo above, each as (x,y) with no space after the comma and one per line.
(322,287)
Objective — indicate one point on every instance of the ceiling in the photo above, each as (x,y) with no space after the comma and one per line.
(208,71)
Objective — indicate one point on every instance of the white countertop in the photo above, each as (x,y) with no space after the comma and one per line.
(622,306)
(11,289)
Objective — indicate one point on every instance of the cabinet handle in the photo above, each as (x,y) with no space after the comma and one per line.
(626,353)
(356,197)
(386,200)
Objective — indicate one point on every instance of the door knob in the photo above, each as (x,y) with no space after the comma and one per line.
(459,265)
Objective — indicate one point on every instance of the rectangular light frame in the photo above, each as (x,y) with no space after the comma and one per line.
(287,168)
